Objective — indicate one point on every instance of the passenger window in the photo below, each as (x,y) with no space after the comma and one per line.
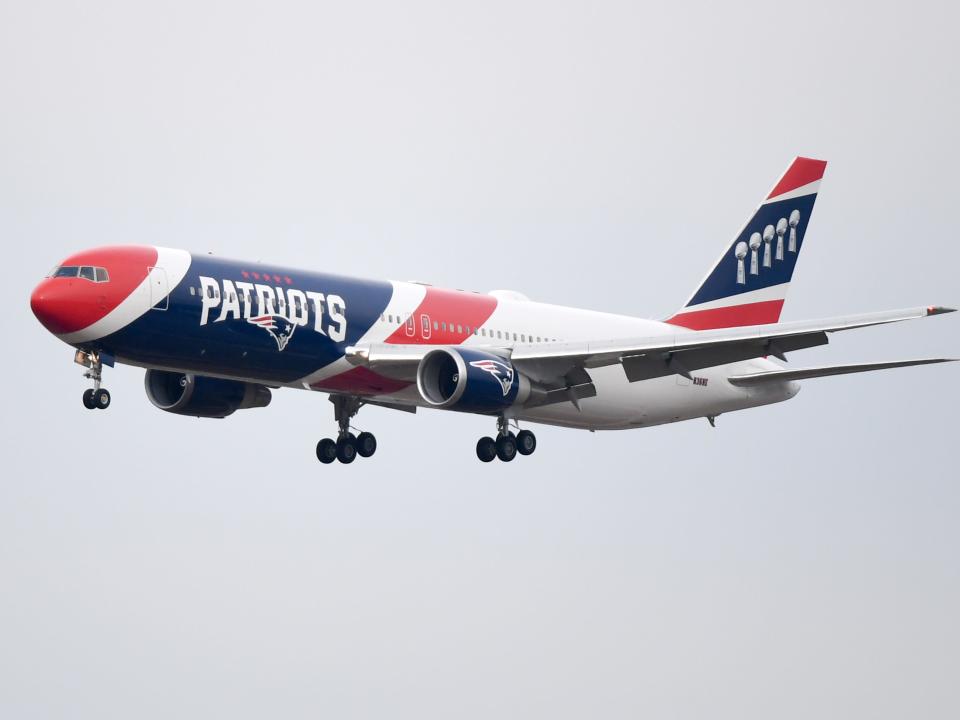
(459,328)
(193,290)
(210,291)
(435,325)
(498,335)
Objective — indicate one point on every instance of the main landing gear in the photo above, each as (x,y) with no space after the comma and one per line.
(347,446)
(95,398)
(507,445)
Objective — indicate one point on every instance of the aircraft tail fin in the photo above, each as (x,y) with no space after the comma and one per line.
(749,283)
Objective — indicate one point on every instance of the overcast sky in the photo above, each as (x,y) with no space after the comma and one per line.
(799,561)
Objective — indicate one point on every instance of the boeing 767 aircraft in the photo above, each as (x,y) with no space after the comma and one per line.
(216,336)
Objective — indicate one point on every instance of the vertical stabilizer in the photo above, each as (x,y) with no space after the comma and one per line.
(748,285)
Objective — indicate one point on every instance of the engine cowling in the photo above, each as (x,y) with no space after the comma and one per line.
(470,380)
(200,396)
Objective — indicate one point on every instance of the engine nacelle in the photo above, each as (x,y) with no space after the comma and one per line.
(200,396)
(470,380)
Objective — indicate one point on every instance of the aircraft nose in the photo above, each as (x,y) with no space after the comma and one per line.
(51,304)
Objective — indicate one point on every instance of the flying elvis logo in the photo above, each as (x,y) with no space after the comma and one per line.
(277,310)
(279,327)
(501,371)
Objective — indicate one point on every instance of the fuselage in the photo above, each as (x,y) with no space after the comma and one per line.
(169,309)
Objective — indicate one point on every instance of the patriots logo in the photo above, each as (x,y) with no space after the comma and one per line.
(279,327)
(501,371)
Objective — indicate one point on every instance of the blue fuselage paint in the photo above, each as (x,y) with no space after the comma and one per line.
(228,343)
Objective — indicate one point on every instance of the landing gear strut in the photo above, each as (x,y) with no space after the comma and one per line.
(507,444)
(347,446)
(95,398)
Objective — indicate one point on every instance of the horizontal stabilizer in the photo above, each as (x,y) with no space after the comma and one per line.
(759,378)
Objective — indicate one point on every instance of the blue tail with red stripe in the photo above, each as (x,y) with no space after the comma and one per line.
(749,283)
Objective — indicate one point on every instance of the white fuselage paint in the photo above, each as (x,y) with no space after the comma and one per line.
(619,404)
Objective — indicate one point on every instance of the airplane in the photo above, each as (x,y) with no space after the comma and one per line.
(218,335)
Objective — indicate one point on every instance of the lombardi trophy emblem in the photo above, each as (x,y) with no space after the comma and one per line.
(794,221)
(755,253)
(781,231)
(767,239)
(741,253)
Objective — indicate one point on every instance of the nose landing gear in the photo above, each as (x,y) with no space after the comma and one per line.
(347,446)
(507,445)
(95,398)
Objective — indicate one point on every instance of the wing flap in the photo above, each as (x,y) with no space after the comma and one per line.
(683,362)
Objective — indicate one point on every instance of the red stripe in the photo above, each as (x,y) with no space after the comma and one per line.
(360,381)
(453,308)
(802,172)
(449,309)
(758,313)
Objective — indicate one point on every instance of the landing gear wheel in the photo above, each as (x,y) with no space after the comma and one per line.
(486,449)
(347,449)
(89,402)
(526,442)
(326,451)
(366,444)
(102,398)
(506,447)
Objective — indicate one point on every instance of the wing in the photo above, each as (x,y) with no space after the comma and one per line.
(566,365)
(682,353)
(759,378)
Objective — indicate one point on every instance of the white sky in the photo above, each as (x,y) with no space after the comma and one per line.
(799,561)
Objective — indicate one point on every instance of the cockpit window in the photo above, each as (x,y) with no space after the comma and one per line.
(93,274)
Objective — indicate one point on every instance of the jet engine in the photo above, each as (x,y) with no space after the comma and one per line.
(470,380)
(199,396)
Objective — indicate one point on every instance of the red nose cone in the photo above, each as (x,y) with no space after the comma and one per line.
(51,304)
(72,303)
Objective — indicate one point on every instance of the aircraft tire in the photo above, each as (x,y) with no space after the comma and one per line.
(486,449)
(506,447)
(102,398)
(347,449)
(366,444)
(326,451)
(526,442)
(89,402)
